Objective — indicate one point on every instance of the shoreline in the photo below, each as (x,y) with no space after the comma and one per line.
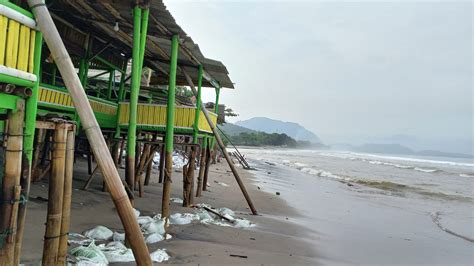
(273,240)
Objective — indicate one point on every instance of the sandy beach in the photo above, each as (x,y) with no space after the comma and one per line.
(273,239)
(315,220)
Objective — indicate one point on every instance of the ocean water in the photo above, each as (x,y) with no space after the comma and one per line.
(375,208)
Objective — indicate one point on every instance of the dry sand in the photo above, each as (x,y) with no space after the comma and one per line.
(274,239)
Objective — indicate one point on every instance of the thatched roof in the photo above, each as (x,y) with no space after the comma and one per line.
(77,19)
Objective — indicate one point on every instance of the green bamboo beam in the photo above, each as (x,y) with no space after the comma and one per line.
(110,85)
(165,212)
(17,81)
(143,34)
(216,107)
(198,107)
(121,96)
(134,91)
(32,101)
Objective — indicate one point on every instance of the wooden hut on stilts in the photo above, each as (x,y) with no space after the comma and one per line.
(98,78)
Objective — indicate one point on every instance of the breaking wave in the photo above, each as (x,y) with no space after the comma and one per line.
(381,184)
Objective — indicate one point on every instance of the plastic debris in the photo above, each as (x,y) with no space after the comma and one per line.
(176,200)
(118,237)
(117,252)
(155,226)
(159,255)
(153,238)
(89,254)
(144,219)
(74,238)
(183,218)
(99,233)
(221,183)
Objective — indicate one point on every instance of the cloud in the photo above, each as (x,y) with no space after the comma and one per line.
(343,68)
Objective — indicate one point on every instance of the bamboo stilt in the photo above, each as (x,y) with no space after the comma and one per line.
(188,180)
(122,147)
(206,168)
(36,156)
(222,146)
(91,127)
(66,208)
(202,163)
(165,207)
(161,167)
(149,169)
(11,189)
(55,196)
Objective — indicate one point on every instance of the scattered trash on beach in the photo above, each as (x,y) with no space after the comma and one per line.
(221,183)
(208,215)
(111,248)
(238,256)
(99,233)
(177,200)
(159,255)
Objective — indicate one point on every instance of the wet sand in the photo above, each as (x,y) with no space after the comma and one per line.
(314,221)
(274,239)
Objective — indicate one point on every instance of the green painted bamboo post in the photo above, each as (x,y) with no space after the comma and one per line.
(143,34)
(110,84)
(165,211)
(134,90)
(120,98)
(28,140)
(198,107)
(32,101)
(139,43)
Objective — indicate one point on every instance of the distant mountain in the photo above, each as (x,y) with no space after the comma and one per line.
(384,148)
(233,129)
(395,149)
(268,125)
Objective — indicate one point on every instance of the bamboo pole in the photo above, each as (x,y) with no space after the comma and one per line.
(169,137)
(161,167)
(202,162)
(92,130)
(188,179)
(67,194)
(206,166)
(11,184)
(134,89)
(224,150)
(55,196)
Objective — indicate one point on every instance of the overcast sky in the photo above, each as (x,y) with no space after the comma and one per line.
(349,70)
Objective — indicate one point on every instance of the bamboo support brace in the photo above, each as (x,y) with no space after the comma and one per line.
(221,145)
(92,130)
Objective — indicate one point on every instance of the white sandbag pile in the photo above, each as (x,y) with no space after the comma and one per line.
(88,253)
